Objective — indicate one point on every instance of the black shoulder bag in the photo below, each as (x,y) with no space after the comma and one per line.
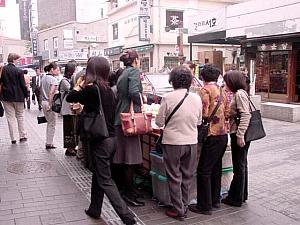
(93,124)
(203,128)
(159,146)
(255,128)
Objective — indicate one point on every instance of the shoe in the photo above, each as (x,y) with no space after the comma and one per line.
(175,215)
(87,212)
(50,147)
(195,209)
(216,205)
(23,139)
(14,142)
(70,153)
(129,221)
(227,201)
(132,201)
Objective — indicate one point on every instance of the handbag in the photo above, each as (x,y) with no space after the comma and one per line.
(136,123)
(93,124)
(41,119)
(57,100)
(203,128)
(255,130)
(159,145)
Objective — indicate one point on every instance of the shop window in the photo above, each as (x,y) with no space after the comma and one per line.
(145,64)
(278,72)
(46,45)
(55,42)
(171,61)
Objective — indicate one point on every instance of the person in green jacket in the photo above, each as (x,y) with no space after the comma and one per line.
(128,149)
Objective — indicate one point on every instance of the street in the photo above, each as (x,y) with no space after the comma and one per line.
(46,187)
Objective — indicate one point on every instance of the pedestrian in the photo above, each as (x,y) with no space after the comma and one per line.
(27,83)
(86,93)
(128,149)
(113,79)
(48,88)
(209,170)
(69,118)
(14,92)
(36,87)
(180,139)
(245,72)
(239,121)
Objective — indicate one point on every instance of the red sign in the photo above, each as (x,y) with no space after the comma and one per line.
(2,3)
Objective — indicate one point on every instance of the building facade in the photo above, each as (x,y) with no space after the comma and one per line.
(152,28)
(72,40)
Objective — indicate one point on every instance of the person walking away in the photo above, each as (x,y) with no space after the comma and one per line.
(102,150)
(180,139)
(27,83)
(14,92)
(128,149)
(36,87)
(69,119)
(48,88)
(209,170)
(238,192)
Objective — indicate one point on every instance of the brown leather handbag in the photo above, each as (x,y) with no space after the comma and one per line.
(136,123)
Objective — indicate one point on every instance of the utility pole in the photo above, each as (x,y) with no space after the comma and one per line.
(180,43)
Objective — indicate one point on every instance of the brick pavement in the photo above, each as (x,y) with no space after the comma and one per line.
(59,195)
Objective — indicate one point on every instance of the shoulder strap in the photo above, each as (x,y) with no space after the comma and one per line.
(100,110)
(217,106)
(176,108)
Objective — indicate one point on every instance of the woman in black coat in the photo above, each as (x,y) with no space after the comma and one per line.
(102,151)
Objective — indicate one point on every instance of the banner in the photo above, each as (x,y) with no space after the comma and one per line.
(24,19)
(2,3)
(208,22)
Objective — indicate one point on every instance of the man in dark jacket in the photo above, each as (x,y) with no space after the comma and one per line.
(13,94)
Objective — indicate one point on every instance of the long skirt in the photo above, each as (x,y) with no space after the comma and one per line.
(70,131)
(128,149)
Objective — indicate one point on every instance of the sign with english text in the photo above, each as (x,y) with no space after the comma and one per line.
(208,22)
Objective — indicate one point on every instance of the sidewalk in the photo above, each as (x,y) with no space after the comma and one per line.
(45,187)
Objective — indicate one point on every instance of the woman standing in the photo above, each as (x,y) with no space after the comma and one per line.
(209,169)
(86,93)
(239,122)
(69,119)
(49,85)
(128,149)
(180,139)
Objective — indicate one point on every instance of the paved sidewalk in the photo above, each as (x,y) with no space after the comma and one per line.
(45,187)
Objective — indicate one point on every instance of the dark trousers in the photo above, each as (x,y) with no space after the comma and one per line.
(180,163)
(238,191)
(37,93)
(70,131)
(209,171)
(102,183)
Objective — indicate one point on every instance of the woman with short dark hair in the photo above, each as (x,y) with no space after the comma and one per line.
(239,122)
(102,151)
(209,169)
(180,139)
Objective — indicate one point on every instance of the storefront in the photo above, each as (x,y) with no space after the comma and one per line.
(114,56)
(276,61)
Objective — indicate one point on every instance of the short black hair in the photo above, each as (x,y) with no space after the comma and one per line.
(210,73)
(128,57)
(181,77)
(235,80)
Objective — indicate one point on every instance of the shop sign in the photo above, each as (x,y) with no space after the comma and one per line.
(208,22)
(34,43)
(72,54)
(24,19)
(90,38)
(2,3)
(68,44)
(144,28)
(143,7)
(282,46)
(173,19)
(143,48)
(113,51)
(115,29)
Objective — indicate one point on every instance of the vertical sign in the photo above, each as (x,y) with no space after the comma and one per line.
(2,3)
(143,7)
(144,28)
(115,31)
(34,43)
(173,19)
(24,19)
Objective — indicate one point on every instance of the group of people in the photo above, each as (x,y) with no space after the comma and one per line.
(118,157)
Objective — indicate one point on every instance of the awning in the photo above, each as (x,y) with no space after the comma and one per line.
(218,37)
